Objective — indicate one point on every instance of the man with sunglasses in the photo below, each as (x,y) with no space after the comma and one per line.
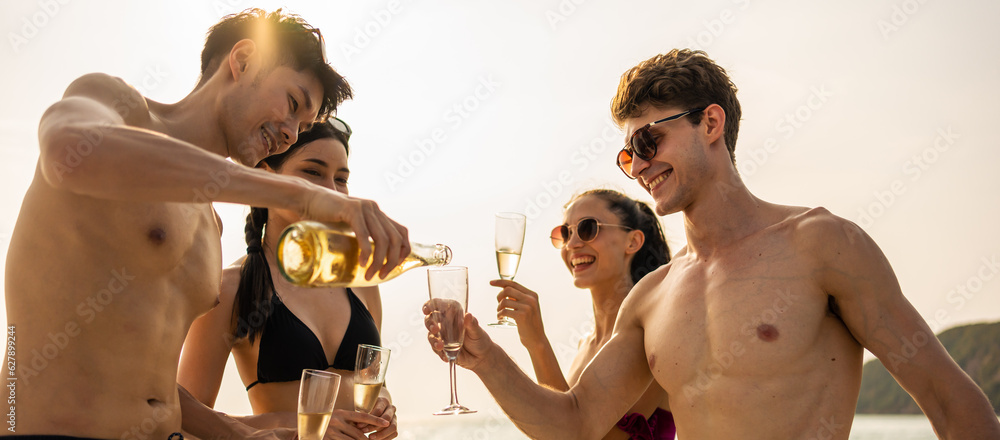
(757,328)
(117,247)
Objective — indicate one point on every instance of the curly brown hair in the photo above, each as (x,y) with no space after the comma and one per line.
(682,77)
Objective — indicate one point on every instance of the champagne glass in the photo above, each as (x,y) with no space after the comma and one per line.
(449,290)
(509,241)
(369,375)
(317,394)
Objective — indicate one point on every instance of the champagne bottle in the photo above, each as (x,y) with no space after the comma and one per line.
(326,254)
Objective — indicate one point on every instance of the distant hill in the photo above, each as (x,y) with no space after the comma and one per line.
(976,348)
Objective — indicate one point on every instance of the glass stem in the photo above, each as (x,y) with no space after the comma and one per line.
(454,391)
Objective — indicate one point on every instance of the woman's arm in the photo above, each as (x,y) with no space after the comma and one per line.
(519,303)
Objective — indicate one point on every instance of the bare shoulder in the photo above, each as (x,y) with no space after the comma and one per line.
(819,214)
(98,86)
(825,235)
(114,93)
(843,259)
(653,279)
(647,291)
(369,295)
(230,282)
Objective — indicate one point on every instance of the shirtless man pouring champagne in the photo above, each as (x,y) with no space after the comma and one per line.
(117,248)
(756,329)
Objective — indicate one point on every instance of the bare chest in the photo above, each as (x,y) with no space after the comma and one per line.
(172,237)
(747,315)
(169,252)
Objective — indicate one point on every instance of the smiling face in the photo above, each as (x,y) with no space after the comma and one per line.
(605,260)
(675,174)
(267,110)
(322,162)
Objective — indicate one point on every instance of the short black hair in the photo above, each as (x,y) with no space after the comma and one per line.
(297,44)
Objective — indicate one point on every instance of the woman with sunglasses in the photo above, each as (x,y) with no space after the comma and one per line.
(608,242)
(274,329)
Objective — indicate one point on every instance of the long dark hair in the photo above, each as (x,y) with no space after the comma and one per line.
(253,295)
(637,215)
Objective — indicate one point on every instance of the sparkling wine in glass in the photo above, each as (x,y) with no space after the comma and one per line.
(509,242)
(317,394)
(369,374)
(449,291)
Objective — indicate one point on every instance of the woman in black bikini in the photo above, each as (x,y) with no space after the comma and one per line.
(275,329)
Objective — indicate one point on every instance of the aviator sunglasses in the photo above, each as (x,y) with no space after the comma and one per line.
(586,229)
(643,144)
(341,126)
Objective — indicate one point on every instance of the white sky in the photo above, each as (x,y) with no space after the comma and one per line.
(879,96)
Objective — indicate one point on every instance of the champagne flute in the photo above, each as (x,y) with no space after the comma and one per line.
(317,394)
(509,242)
(449,290)
(369,375)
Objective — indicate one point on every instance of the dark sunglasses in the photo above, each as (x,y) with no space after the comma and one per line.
(642,143)
(341,126)
(586,229)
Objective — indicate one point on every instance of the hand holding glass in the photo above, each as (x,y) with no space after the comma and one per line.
(449,290)
(369,375)
(509,242)
(317,395)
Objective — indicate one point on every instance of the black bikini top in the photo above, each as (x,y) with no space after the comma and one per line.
(288,346)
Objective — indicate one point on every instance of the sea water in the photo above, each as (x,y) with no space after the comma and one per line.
(495,426)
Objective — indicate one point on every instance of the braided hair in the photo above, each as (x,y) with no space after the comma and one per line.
(637,215)
(253,295)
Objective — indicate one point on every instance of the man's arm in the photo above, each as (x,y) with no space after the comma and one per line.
(203,422)
(856,273)
(88,148)
(206,423)
(608,387)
